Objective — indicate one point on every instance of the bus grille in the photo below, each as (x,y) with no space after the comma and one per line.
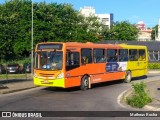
(46,75)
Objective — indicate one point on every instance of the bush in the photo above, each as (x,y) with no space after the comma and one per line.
(139,98)
(154,65)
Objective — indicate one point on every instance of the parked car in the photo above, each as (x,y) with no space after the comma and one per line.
(26,67)
(2,69)
(13,68)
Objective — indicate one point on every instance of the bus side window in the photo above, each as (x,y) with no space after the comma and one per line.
(99,56)
(86,55)
(112,55)
(133,55)
(123,55)
(84,60)
(142,55)
(72,58)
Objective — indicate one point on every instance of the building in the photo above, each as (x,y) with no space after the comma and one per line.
(106,19)
(144,33)
(158,37)
(87,11)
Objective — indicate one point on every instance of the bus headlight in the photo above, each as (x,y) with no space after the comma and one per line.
(35,75)
(61,75)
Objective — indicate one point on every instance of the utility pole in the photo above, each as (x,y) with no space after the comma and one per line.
(155,34)
(32,43)
(158,38)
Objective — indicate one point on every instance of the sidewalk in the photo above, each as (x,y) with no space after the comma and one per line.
(15,85)
(154,91)
(154,71)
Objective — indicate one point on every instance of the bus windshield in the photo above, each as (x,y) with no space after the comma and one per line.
(51,60)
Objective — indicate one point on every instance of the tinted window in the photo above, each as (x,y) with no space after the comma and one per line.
(123,55)
(99,55)
(86,55)
(112,55)
(133,55)
(72,58)
(142,55)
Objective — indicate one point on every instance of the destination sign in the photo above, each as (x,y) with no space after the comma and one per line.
(49,46)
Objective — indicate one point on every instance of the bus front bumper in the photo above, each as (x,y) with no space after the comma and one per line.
(49,82)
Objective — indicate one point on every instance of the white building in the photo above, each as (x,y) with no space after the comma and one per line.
(87,11)
(144,34)
(106,19)
(158,38)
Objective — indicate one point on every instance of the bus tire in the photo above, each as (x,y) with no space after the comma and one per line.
(128,77)
(85,83)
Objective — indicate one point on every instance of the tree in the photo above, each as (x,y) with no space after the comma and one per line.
(106,33)
(52,23)
(62,23)
(89,29)
(122,31)
(154,32)
(15,24)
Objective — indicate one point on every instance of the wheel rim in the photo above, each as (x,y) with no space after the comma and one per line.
(86,82)
(128,77)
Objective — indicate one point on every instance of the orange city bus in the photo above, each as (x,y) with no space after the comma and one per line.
(71,64)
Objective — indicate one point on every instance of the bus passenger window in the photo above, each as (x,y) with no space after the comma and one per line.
(99,56)
(123,55)
(112,55)
(86,56)
(142,55)
(133,55)
(72,58)
(84,60)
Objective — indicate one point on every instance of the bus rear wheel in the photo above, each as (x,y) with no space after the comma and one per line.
(128,77)
(85,83)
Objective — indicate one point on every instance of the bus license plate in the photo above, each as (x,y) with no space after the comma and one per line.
(45,81)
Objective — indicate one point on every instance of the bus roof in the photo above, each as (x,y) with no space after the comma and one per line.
(97,45)
(103,45)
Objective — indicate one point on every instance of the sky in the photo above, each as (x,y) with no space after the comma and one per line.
(133,11)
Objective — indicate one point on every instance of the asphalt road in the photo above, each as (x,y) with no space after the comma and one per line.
(102,97)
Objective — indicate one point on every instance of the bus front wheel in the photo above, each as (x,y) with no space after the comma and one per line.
(128,77)
(85,83)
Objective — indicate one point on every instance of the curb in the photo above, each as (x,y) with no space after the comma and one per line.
(153,72)
(151,108)
(17,90)
(126,93)
(122,96)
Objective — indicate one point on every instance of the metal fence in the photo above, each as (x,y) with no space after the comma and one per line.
(154,56)
(12,78)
